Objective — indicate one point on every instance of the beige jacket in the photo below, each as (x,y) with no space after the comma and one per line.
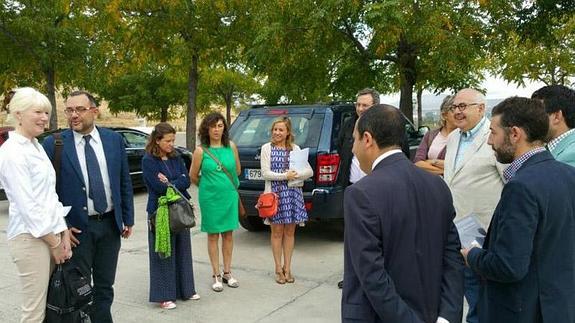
(269,176)
(477,181)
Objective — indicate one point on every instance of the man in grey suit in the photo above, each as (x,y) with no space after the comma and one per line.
(559,102)
(528,260)
(472,173)
(401,259)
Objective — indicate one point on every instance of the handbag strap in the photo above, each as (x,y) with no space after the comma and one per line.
(207,150)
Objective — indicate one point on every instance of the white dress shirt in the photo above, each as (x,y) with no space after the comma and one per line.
(355,172)
(384,156)
(96,144)
(29,181)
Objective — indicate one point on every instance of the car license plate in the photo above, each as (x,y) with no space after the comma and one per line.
(253,174)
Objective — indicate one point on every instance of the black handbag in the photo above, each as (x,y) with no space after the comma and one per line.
(69,296)
(181,213)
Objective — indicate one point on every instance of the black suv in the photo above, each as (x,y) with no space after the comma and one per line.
(316,127)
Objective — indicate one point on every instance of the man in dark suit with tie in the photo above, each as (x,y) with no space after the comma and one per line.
(401,260)
(527,263)
(94,179)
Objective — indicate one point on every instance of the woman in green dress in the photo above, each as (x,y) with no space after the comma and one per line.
(215,170)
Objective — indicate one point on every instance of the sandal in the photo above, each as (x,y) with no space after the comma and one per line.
(217,286)
(228,279)
(289,278)
(280,278)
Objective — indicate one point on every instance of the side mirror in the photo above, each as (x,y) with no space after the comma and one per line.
(422,130)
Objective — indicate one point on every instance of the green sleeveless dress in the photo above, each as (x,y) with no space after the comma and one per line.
(217,195)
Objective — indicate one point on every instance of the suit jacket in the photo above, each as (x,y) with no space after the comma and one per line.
(71,188)
(565,150)
(528,260)
(401,258)
(477,181)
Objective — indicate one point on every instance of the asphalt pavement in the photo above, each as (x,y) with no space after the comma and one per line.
(314,297)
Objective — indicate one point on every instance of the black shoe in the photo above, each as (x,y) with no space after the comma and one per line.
(340,284)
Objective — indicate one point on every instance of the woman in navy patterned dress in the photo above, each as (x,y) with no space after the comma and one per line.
(291,208)
(173,277)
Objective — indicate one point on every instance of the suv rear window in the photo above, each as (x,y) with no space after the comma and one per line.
(256,130)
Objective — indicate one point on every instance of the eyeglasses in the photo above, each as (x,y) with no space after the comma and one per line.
(462,106)
(79,110)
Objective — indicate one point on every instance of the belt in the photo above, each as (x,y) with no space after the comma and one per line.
(100,217)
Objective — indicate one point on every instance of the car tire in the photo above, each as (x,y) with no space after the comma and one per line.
(252,223)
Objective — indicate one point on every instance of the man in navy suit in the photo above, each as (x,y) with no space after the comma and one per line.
(527,263)
(94,179)
(401,260)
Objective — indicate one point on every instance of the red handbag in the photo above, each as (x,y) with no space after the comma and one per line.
(267,204)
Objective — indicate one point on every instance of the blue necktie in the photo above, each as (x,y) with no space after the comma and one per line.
(96,190)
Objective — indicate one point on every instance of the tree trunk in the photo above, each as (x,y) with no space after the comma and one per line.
(419,108)
(164,114)
(406,59)
(406,96)
(228,99)
(51,94)
(192,95)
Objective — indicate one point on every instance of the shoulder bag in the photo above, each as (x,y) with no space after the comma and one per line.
(241,209)
(181,211)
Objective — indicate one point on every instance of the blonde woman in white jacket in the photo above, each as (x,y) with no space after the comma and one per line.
(291,208)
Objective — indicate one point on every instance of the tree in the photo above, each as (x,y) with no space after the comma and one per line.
(188,36)
(314,50)
(143,91)
(43,45)
(229,85)
(533,40)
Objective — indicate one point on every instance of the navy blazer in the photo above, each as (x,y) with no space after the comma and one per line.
(401,260)
(528,260)
(71,187)
(174,169)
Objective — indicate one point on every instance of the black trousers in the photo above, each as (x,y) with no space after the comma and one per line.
(97,257)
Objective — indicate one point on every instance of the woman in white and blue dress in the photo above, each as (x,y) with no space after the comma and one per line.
(291,208)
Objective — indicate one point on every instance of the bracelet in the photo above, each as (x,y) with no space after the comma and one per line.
(58,244)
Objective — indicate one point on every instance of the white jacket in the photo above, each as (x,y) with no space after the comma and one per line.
(269,176)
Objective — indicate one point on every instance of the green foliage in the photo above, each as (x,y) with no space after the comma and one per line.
(43,44)
(533,40)
(313,51)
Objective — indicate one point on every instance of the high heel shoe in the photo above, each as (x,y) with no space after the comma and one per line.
(217,286)
(280,278)
(228,279)
(288,277)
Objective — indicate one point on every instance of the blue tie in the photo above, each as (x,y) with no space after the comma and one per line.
(96,191)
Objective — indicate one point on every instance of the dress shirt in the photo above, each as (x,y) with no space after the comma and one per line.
(355,172)
(466,139)
(96,144)
(553,143)
(384,156)
(517,163)
(29,181)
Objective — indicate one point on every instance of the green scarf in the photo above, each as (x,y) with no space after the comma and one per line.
(163,246)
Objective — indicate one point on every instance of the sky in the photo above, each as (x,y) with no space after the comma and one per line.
(497,88)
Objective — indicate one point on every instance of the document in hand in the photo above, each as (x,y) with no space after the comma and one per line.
(471,233)
(298,162)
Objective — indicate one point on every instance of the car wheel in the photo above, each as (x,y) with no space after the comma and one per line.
(252,223)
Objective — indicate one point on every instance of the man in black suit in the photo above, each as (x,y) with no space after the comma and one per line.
(401,260)
(528,260)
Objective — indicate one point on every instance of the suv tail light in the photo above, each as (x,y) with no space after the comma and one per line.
(327,168)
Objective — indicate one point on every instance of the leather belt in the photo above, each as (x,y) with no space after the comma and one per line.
(100,217)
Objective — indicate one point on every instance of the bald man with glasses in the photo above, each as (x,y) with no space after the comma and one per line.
(472,173)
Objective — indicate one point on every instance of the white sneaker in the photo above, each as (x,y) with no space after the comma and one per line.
(168,305)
